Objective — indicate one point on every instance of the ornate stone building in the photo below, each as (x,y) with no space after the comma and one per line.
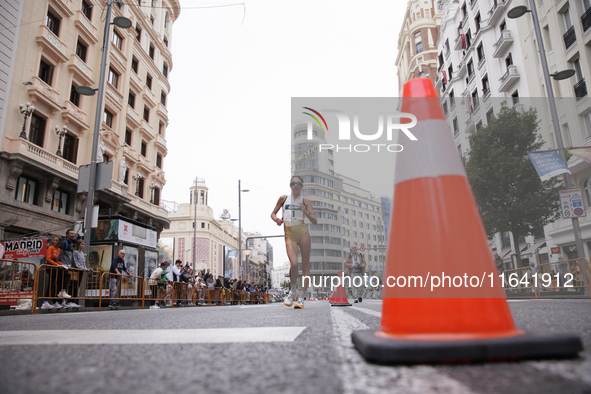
(58,48)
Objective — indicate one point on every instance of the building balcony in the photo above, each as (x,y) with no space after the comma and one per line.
(76,116)
(86,28)
(162,111)
(114,97)
(81,69)
(132,117)
(51,44)
(40,91)
(146,128)
(586,19)
(503,44)
(135,81)
(580,89)
(485,94)
(461,68)
(509,79)
(160,142)
(497,10)
(438,83)
(32,151)
(458,43)
(569,37)
(149,97)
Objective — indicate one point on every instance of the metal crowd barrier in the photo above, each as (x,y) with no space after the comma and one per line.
(16,281)
(23,280)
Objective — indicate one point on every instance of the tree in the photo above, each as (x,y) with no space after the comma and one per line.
(506,186)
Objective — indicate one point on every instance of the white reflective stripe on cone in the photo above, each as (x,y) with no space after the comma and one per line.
(434,154)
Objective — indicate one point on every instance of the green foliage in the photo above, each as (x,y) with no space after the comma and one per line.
(507,188)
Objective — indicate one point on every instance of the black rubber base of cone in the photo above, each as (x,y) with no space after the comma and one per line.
(527,346)
(341,304)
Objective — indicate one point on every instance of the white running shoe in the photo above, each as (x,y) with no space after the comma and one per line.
(47,305)
(63,294)
(299,304)
(289,299)
(57,306)
(154,307)
(65,306)
(72,305)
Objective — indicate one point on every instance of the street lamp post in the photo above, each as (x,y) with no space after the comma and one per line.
(60,133)
(137,178)
(517,12)
(152,187)
(195,219)
(240,227)
(123,23)
(27,111)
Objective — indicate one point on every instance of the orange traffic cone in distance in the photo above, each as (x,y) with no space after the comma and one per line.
(436,230)
(340,294)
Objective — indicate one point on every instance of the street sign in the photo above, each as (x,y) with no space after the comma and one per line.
(362,248)
(571,203)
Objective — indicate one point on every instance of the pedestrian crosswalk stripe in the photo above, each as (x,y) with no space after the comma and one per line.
(123,337)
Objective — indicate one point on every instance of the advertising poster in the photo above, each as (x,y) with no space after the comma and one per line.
(129,285)
(18,279)
(106,230)
(99,259)
(151,261)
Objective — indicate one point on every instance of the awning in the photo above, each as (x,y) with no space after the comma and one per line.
(536,245)
(544,250)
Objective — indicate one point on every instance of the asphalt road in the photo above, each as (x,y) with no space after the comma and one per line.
(261,349)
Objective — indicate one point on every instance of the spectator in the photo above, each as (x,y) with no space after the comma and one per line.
(117,267)
(158,284)
(59,271)
(176,277)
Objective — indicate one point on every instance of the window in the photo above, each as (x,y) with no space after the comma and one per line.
(163,98)
(159,161)
(456,127)
(475,101)
(151,53)
(160,128)
(489,116)
(485,85)
(131,99)
(470,68)
(418,42)
(113,77)
(509,60)
(452,99)
(128,134)
(74,96)
(81,50)
(146,114)
(60,201)
(165,70)
(587,124)
(165,39)
(566,135)
(108,118)
(503,26)
(468,39)
(140,188)
(445,111)
(568,22)
(477,21)
(478,125)
(37,130)
(26,190)
(144,149)
(152,19)
(117,40)
(515,97)
(70,148)
(134,64)
(53,22)
(86,9)
(46,71)
(547,40)
(138,31)
(450,71)
(480,53)
(156,196)
(331,162)
(149,81)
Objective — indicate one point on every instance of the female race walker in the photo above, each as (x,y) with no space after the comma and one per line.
(294,208)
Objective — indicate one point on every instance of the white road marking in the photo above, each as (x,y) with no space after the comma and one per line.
(359,377)
(121,337)
(368,311)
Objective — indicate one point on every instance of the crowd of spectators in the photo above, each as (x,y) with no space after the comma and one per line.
(201,287)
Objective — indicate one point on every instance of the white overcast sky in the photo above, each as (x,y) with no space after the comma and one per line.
(232,83)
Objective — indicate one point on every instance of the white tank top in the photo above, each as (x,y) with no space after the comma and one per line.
(292,213)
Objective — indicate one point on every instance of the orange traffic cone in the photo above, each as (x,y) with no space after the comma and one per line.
(340,295)
(437,241)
